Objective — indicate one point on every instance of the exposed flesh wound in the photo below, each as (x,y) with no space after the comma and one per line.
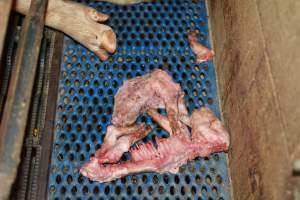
(208,137)
(155,90)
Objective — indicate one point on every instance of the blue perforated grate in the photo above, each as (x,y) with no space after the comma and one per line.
(151,35)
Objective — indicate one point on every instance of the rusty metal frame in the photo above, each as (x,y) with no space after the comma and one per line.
(5,7)
(46,140)
(14,119)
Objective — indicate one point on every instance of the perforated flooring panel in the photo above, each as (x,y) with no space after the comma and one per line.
(150,36)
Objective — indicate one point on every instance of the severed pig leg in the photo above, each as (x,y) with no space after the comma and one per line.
(209,137)
(203,54)
(78,21)
(118,140)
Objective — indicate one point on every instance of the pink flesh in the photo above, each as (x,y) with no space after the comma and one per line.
(154,90)
(208,136)
(203,54)
(119,140)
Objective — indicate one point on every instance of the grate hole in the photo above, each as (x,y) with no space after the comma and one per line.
(107,190)
(63,190)
(93,138)
(103,119)
(166,179)
(193,190)
(95,101)
(215,190)
(69,179)
(60,157)
(74,190)
(71,157)
(219,179)
(145,179)
(176,179)
(140,190)
(85,190)
(198,179)
(202,76)
(99,129)
(216,157)
(67,147)
(150,190)
(155,178)
(187,179)
(208,179)
(134,179)
(210,101)
(172,190)
(58,179)
(204,190)
(161,190)
(118,190)
(128,190)
(182,190)
(80,179)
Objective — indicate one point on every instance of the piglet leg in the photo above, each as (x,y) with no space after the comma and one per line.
(78,21)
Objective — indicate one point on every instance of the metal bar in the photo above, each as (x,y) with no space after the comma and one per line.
(48,128)
(32,124)
(8,56)
(5,7)
(15,114)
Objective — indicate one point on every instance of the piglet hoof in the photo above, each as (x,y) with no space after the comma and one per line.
(85,26)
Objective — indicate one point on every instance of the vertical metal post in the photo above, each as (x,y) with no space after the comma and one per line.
(5,7)
(14,119)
